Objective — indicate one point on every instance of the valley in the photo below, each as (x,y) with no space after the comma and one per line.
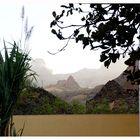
(66,96)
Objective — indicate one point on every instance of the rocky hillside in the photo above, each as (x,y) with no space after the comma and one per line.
(69,90)
(64,85)
(116,96)
(111,90)
(113,98)
(37,101)
(40,101)
(123,81)
(69,84)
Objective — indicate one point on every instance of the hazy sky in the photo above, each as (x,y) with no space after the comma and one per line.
(39,14)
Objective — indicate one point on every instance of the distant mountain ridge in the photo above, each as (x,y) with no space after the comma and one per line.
(69,90)
(68,84)
(112,97)
(85,77)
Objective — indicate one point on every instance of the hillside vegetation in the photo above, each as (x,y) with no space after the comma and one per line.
(36,101)
(111,99)
(114,99)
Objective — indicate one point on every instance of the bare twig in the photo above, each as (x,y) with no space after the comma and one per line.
(62,49)
(63,27)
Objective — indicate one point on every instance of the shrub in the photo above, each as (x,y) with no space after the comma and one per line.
(99,107)
(77,107)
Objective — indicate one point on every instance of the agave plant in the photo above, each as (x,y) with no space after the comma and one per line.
(14,65)
(14,72)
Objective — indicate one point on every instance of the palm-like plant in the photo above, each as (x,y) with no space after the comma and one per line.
(14,65)
(13,74)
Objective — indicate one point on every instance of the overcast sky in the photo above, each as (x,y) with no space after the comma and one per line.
(39,14)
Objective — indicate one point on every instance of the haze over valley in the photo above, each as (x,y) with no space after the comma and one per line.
(86,78)
(91,91)
(82,85)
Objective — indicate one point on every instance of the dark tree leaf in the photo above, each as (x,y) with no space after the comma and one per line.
(54,14)
(71,5)
(107,63)
(53,23)
(103,57)
(76,32)
(80,10)
(112,57)
(85,42)
(53,31)
(83,18)
(60,36)
(138,37)
(92,5)
(130,62)
(101,26)
(117,55)
(80,37)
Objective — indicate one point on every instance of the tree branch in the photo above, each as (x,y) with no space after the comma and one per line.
(63,27)
(62,49)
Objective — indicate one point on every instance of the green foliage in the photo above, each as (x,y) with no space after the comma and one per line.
(135,108)
(113,28)
(43,108)
(25,95)
(37,103)
(61,107)
(58,106)
(13,74)
(122,107)
(101,107)
(125,107)
(14,65)
(77,107)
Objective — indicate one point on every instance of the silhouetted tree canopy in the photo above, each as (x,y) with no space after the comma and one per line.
(113,28)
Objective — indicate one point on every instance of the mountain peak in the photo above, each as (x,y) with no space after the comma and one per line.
(68,84)
(70,78)
(71,83)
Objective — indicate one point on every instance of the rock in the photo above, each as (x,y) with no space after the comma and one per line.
(111,105)
(113,98)
(69,84)
(111,90)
